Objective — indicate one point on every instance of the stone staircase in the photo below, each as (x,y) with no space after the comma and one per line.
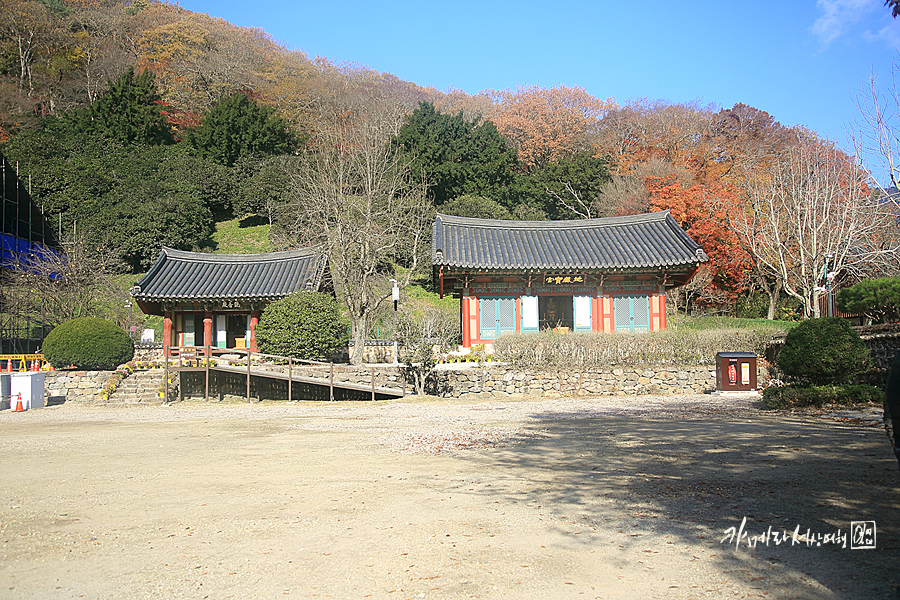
(141,387)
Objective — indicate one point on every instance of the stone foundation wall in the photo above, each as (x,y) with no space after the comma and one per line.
(148,351)
(492,380)
(456,381)
(74,386)
(497,380)
(882,348)
(500,381)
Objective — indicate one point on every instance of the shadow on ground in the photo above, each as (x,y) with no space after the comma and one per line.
(694,479)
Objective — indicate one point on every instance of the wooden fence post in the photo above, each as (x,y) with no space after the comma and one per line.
(166,374)
(207,373)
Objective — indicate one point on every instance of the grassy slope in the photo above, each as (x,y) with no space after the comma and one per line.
(241,236)
(687,322)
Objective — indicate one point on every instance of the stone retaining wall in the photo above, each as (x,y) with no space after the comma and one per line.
(463,381)
(74,386)
(499,381)
(148,351)
(882,348)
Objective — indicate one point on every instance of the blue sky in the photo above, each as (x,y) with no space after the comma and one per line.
(804,62)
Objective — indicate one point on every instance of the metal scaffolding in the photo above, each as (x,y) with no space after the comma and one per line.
(24,231)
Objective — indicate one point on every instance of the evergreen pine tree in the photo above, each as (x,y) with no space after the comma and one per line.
(129,111)
(236,127)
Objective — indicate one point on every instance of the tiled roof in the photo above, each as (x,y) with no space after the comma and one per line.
(179,275)
(638,241)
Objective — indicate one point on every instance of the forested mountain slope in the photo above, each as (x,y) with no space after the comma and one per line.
(141,124)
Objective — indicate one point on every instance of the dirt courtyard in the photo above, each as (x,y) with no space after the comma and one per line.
(560,498)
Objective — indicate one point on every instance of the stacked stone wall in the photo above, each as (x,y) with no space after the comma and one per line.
(499,381)
(454,381)
(148,351)
(74,386)
(882,349)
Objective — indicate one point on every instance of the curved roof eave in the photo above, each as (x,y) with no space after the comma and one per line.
(648,241)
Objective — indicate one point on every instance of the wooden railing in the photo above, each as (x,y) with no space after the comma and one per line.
(201,358)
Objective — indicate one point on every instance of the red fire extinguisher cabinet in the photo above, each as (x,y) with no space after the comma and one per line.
(735,372)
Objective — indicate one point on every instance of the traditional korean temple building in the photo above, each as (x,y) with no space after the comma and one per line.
(599,275)
(216,299)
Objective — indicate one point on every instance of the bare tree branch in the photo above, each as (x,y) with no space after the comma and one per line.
(357,200)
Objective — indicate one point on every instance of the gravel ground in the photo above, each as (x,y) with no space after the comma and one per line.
(613,497)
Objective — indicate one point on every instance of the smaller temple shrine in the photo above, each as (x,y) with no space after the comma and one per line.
(598,275)
(216,299)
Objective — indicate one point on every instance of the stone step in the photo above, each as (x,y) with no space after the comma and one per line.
(140,388)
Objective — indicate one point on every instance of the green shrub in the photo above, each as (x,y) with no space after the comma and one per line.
(792,396)
(756,306)
(305,325)
(596,350)
(878,299)
(823,352)
(88,343)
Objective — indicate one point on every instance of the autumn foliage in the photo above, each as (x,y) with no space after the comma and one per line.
(548,124)
(700,210)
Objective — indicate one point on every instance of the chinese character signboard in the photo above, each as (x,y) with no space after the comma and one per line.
(563,279)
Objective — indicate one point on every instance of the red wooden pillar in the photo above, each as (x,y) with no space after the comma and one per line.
(254,320)
(662,310)
(167,331)
(464,315)
(607,314)
(518,328)
(207,329)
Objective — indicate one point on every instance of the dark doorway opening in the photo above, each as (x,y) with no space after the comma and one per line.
(556,312)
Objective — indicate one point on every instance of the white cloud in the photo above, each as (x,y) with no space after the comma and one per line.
(890,35)
(838,16)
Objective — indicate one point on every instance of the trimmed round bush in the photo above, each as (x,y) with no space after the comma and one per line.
(791,396)
(305,325)
(88,343)
(823,351)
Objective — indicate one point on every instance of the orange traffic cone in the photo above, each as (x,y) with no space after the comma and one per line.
(9,365)
(19,407)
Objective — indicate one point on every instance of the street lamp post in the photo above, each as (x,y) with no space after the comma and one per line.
(130,306)
(395,296)
(829,309)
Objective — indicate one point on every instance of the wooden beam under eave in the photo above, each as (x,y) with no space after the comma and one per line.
(678,280)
